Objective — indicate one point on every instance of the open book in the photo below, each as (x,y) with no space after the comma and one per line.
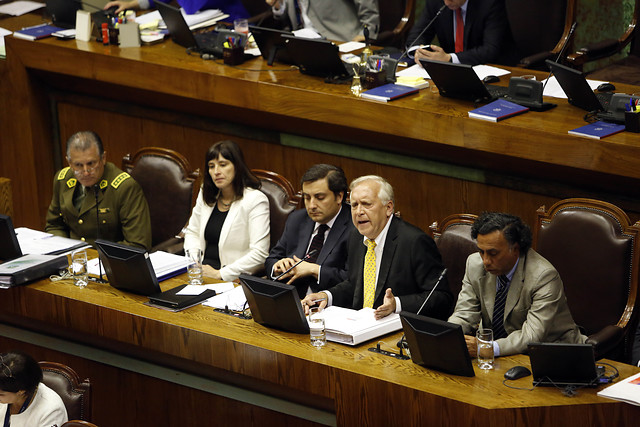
(626,390)
(352,327)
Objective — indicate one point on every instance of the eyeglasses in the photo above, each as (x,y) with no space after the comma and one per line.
(88,168)
(5,368)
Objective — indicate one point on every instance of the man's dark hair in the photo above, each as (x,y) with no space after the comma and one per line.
(84,140)
(512,228)
(335,177)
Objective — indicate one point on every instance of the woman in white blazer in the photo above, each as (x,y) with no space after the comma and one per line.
(230,222)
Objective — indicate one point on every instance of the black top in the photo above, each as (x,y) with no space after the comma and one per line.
(212,237)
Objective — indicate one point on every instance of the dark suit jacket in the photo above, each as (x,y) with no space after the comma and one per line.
(332,258)
(487,37)
(410,266)
(635,355)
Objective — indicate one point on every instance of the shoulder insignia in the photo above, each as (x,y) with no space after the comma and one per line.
(63,173)
(103,184)
(120,179)
(72,182)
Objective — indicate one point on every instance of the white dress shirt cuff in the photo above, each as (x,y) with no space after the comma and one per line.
(454,58)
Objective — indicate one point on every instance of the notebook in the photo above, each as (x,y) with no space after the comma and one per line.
(208,42)
(560,364)
(461,81)
(578,92)
(271,44)
(316,57)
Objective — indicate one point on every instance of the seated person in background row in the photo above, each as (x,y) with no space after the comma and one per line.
(121,206)
(484,37)
(392,264)
(511,289)
(24,400)
(230,222)
(324,226)
(339,20)
(233,8)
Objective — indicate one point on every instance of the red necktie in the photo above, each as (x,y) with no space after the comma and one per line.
(459,31)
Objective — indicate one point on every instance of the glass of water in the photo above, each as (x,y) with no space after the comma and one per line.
(484,338)
(78,268)
(316,327)
(194,266)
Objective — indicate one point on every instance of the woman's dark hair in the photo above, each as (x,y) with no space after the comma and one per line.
(18,371)
(512,228)
(243,176)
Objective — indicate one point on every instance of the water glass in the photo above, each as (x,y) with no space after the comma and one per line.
(78,268)
(194,266)
(484,338)
(316,327)
(241,26)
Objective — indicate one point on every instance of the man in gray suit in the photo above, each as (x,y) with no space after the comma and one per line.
(512,289)
(340,20)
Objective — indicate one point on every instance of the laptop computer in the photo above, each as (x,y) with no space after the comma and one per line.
(10,248)
(561,364)
(316,57)
(461,81)
(436,344)
(272,45)
(210,42)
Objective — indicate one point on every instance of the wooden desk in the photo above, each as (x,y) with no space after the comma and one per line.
(358,386)
(286,121)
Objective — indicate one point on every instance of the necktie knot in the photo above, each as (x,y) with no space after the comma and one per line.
(503,282)
(371,244)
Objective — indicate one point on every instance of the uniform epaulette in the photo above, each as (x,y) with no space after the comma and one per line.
(63,173)
(120,179)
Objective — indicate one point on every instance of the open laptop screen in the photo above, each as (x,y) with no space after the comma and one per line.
(561,364)
(128,268)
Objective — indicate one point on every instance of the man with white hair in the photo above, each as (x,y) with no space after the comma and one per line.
(392,264)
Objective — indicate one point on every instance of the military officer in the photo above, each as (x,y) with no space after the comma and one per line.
(122,208)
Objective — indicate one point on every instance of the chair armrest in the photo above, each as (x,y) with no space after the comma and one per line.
(594,51)
(605,340)
(535,60)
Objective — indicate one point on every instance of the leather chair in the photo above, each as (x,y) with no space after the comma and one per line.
(453,238)
(540,28)
(78,423)
(170,186)
(396,19)
(283,200)
(624,70)
(6,200)
(75,394)
(596,250)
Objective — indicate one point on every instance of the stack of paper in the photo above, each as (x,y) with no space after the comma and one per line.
(165,265)
(627,390)
(347,326)
(39,242)
(234,300)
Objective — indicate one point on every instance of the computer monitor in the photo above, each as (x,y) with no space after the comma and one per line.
(128,268)
(10,248)
(561,364)
(437,344)
(274,304)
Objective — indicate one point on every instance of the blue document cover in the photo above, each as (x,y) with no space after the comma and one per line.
(497,110)
(597,130)
(388,92)
(37,32)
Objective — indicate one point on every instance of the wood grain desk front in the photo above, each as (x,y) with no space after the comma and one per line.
(358,386)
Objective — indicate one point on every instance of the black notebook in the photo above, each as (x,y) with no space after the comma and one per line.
(171,300)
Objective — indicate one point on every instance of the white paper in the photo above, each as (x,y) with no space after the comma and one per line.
(21,7)
(414,71)
(306,33)
(234,300)
(552,87)
(39,242)
(487,70)
(350,46)
(626,390)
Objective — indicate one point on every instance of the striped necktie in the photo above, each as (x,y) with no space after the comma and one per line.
(498,308)
(369,274)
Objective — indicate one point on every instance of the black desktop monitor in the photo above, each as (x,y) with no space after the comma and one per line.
(437,344)
(9,246)
(128,268)
(274,304)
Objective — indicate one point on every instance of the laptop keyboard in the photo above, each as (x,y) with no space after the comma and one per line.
(497,91)
(207,39)
(605,99)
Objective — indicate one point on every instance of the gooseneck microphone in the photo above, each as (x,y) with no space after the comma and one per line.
(306,257)
(422,32)
(562,49)
(95,192)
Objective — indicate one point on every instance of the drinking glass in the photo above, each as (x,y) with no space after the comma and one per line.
(78,268)
(484,337)
(316,327)
(241,26)
(194,266)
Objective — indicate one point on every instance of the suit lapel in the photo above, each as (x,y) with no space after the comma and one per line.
(515,288)
(226,225)
(388,253)
(304,237)
(89,201)
(339,226)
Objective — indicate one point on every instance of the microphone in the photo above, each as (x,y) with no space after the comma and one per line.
(306,257)
(95,192)
(564,46)
(422,32)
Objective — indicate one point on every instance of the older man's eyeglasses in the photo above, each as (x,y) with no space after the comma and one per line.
(87,168)
(6,370)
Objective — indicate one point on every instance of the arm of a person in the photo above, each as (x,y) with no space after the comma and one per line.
(192,231)
(283,248)
(468,310)
(369,15)
(494,32)
(135,219)
(545,298)
(258,229)
(127,5)
(55,221)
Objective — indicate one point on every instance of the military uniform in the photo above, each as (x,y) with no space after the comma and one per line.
(123,211)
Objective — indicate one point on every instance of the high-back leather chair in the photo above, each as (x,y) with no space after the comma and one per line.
(540,28)
(596,250)
(75,394)
(396,19)
(453,238)
(78,423)
(170,187)
(283,200)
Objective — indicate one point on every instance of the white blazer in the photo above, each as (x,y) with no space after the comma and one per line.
(244,238)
